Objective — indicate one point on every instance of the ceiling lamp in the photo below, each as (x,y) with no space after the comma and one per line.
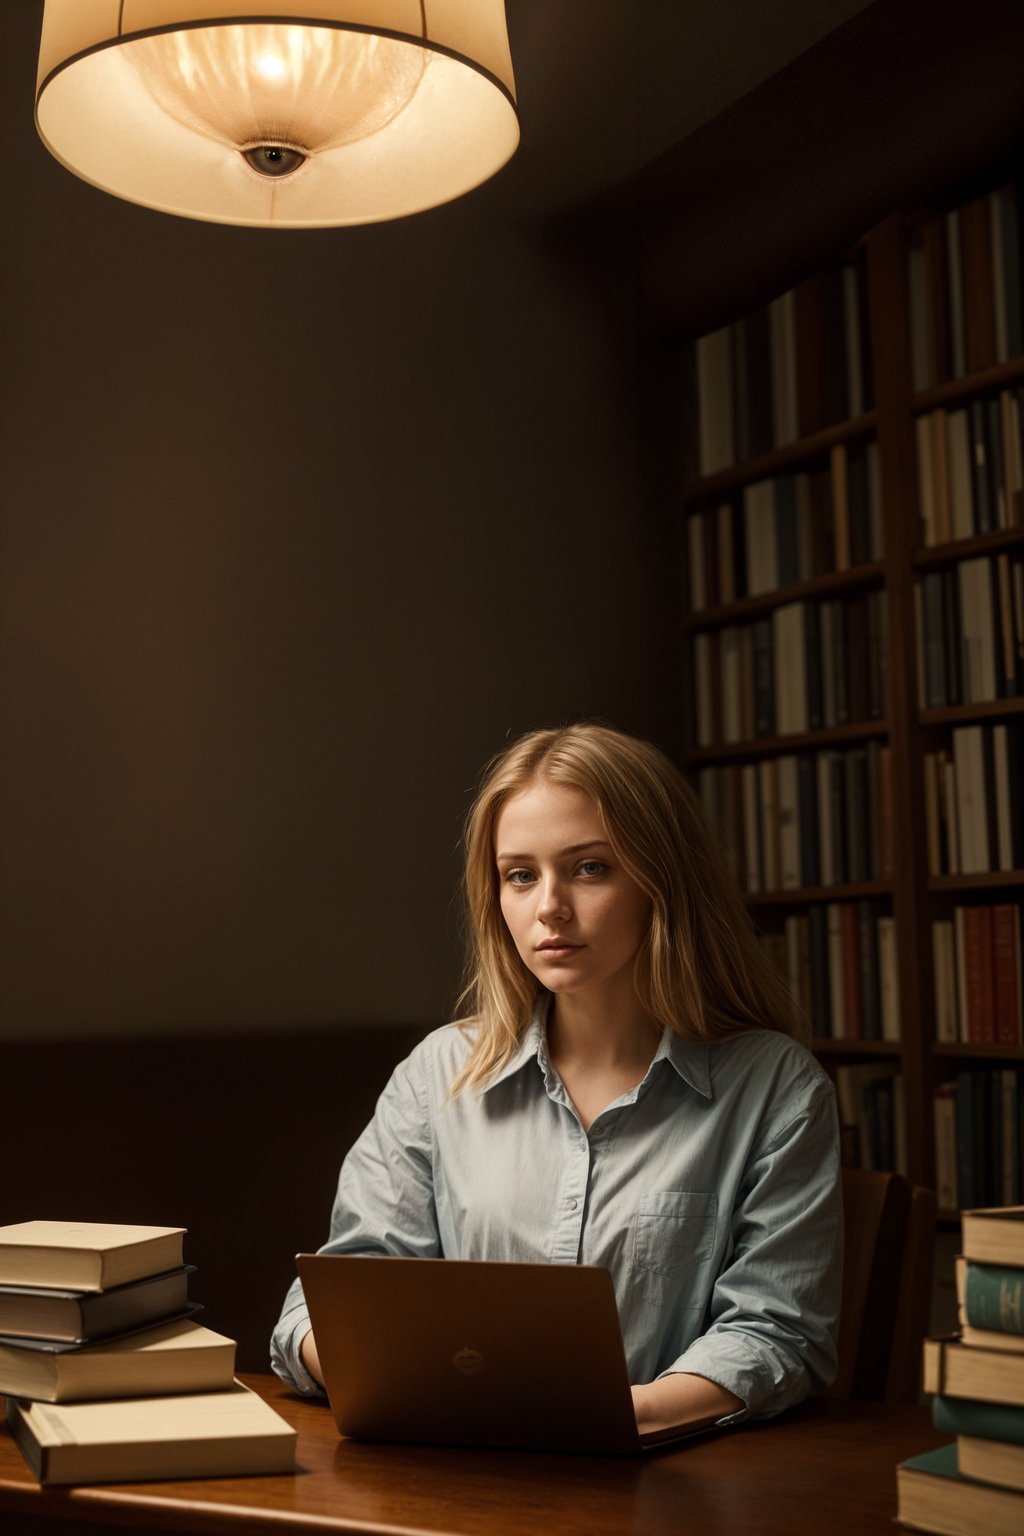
(292,114)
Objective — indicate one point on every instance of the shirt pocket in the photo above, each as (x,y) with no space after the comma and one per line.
(674,1247)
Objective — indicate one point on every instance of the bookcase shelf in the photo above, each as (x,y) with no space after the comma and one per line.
(992,879)
(746,609)
(961,714)
(804,450)
(855,1050)
(775,746)
(954,391)
(862,890)
(944,469)
(938,555)
(966,1052)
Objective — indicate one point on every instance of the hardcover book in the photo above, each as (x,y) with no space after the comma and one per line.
(80,1316)
(991,1299)
(84,1255)
(178,1357)
(989,1421)
(995,1235)
(207,1434)
(955,1369)
(934,1495)
(991,1461)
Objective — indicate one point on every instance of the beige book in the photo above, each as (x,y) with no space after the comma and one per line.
(991,1461)
(955,1369)
(931,1496)
(176,1357)
(994,1235)
(85,1255)
(207,1434)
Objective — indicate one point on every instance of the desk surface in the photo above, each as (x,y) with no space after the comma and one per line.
(825,1465)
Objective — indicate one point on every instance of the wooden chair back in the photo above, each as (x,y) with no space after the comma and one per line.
(887,1274)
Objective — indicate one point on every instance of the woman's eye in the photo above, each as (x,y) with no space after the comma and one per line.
(592,867)
(518,877)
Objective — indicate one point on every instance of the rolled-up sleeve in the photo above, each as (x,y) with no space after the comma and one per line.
(384,1203)
(775,1302)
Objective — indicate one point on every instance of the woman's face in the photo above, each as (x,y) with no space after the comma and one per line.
(575,916)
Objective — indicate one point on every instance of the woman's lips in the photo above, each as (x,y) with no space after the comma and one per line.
(558,949)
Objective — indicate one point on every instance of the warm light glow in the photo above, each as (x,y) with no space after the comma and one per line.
(314,88)
(270,66)
(335,112)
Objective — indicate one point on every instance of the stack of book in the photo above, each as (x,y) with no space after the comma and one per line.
(107,1375)
(976,1378)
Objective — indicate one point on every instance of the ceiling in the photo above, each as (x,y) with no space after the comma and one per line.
(736,141)
(606,86)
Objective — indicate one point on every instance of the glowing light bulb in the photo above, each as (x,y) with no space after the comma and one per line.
(270,66)
(259,84)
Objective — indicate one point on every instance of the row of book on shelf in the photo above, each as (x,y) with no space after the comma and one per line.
(979,1148)
(872,1122)
(788,528)
(805,666)
(840,963)
(974,1484)
(964,275)
(969,621)
(785,369)
(970,468)
(974,817)
(976,959)
(107,1374)
(805,819)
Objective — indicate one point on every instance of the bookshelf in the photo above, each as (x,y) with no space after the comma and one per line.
(896,381)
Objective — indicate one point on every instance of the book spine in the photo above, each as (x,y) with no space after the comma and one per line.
(946,1189)
(871,1012)
(764,678)
(978,969)
(969,1416)
(1006,968)
(994,1298)
(967,1182)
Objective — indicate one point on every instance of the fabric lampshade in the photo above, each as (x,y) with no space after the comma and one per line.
(281,113)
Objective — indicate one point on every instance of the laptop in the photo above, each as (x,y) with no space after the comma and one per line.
(457,1352)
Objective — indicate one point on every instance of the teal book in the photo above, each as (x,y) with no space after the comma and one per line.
(994,1297)
(990,1421)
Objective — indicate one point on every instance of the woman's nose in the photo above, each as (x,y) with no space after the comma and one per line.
(553,900)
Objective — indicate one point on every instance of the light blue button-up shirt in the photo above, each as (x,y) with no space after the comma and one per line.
(710,1192)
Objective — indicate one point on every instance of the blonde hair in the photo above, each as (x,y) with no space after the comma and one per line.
(700,969)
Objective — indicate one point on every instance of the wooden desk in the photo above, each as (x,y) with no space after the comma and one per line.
(826,1466)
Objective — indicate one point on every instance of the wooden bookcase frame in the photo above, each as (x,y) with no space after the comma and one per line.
(916,896)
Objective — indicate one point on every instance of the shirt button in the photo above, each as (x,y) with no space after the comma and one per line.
(571,1204)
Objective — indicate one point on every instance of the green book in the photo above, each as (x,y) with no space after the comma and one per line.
(940,1463)
(994,1297)
(990,1421)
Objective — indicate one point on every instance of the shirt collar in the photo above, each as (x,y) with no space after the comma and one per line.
(530,1045)
(689,1058)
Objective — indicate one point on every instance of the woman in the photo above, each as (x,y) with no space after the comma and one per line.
(626,1091)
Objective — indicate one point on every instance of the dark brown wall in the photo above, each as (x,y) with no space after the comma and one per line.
(238,1138)
(297,528)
